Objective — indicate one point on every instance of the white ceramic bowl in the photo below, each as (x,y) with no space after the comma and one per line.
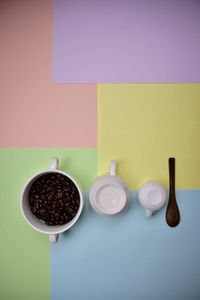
(33,221)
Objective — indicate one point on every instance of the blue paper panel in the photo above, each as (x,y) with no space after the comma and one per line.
(129,256)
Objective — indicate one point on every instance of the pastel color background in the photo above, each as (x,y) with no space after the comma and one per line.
(35,112)
(126,41)
(142,125)
(130,257)
(53,55)
(25,253)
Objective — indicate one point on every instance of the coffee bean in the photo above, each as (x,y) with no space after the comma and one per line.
(54,199)
(59,195)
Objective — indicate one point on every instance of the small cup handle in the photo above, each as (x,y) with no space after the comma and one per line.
(113,166)
(54,163)
(53,238)
(149,212)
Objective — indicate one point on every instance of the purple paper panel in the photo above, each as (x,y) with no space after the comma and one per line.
(126,41)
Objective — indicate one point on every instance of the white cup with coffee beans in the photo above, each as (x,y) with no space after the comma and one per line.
(52,201)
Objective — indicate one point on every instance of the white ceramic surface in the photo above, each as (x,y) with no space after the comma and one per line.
(109,195)
(152,196)
(32,220)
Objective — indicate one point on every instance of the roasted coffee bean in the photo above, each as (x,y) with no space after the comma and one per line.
(59,195)
(54,199)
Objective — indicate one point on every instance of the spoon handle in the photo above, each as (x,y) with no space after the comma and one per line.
(172,212)
(172,177)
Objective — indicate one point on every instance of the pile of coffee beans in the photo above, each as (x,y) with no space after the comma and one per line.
(54,199)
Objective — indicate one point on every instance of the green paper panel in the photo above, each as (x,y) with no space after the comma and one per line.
(25,253)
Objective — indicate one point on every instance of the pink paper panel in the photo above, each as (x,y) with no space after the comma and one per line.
(33,111)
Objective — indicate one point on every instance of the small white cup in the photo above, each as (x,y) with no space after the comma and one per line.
(152,196)
(109,195)
(32,220)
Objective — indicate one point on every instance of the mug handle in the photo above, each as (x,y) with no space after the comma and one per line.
(113,166)
(54,165)
(53,238)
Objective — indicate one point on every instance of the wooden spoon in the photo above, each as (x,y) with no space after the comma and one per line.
(172,212)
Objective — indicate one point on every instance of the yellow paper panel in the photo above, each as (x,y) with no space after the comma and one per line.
(142,125)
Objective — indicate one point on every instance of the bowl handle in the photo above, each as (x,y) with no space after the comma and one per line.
(53,238)
(54,163)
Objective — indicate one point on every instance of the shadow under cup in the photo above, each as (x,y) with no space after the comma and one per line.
(38,224)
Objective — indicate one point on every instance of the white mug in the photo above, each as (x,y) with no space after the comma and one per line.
(152,196)
(32,220)
(109,195)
